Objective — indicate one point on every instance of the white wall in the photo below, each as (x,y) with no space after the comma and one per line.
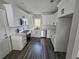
(76,46)
(62,34)
(70,50)
(2,6)
(68,6)
(19,14)
(2,2)
(47,24)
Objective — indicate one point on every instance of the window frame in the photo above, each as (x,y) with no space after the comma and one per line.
(37,17)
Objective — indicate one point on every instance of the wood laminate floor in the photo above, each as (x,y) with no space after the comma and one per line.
(37,48)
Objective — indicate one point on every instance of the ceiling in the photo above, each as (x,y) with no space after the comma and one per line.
(36,6)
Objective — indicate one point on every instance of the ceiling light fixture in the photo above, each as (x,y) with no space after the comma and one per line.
(51,0)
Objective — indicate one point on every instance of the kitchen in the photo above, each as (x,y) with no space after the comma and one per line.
(21,22)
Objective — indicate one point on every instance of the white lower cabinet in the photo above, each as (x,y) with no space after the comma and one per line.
(50,33)
(1,53)
(36,33)
(18,42)
(4,47)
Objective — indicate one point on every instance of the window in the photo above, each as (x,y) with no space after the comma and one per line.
(37,22)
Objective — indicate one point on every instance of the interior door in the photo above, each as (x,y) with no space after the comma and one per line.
(4,40)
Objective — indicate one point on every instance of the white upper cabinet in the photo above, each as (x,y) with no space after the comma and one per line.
(10,16)
(49,19)
(14,15)
(46,20)
(66,7)
(18,14)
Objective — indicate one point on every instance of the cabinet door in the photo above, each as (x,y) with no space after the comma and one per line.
(1,53)
(36,33)
(10,16)
(50,33)
(3,41)
(5,46)
(2,32)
